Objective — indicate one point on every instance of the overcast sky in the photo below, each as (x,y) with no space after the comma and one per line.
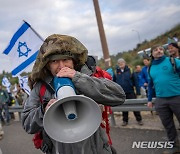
(148,18)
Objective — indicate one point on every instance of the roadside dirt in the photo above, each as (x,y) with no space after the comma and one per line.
(150,120)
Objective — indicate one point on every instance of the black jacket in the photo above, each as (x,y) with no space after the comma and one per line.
(127,80)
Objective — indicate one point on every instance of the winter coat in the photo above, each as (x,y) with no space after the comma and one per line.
(127,80)
(163,78)
(144,76)
(100,90)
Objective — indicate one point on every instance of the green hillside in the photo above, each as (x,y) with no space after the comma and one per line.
(131,56)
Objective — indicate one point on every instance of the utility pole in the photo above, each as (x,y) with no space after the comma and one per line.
(107,58)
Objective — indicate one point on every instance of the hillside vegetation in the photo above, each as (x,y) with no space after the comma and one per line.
(131,56)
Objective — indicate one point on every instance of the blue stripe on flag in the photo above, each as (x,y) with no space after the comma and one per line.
(15,37)
(24,64)
(3,82)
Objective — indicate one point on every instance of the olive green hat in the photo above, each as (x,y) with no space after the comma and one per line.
(58,46)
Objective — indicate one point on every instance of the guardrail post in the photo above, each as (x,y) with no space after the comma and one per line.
(112,119)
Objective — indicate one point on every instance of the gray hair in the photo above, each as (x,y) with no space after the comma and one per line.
(121,60)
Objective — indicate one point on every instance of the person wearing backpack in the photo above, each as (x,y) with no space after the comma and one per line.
(65,56)
(167,89)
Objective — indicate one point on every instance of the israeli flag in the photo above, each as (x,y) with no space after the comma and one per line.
(23,48)
(23,82)
(6,83)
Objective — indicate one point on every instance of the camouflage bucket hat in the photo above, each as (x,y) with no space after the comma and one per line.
(58,46)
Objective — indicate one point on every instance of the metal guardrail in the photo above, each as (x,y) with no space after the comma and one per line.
(129,105)
(133,105)
(18,108)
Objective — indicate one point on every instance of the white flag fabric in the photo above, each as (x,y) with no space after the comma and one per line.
(6,83)
(23,82)
(23,48)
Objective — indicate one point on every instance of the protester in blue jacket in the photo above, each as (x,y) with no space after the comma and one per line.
(144,73)
(167,89)
(127,80)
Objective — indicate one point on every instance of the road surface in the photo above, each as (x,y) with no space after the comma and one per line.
(16,141)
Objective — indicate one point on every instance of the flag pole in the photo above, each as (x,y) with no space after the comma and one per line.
(34,31)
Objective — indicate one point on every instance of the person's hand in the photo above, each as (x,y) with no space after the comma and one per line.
(50,103)
(66,72)
(150,104)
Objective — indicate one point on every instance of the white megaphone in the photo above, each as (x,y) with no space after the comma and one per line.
(72,118)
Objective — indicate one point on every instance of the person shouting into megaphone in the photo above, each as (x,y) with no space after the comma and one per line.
(63,56)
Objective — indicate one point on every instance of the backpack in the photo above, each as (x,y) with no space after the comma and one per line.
(106,110)
(11,100)
(173,63)
(41,140)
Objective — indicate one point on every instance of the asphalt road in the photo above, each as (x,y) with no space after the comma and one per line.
(16,141)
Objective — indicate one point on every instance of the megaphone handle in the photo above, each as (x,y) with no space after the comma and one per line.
(70,110)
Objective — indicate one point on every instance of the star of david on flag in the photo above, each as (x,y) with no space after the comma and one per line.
(23,48)
(23,53)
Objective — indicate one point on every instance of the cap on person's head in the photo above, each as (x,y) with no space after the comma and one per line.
(121,60)
(174,45)
(56,47)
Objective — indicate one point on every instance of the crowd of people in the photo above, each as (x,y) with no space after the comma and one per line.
(159,78)
(66,57)
(14,97)
(166,82)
